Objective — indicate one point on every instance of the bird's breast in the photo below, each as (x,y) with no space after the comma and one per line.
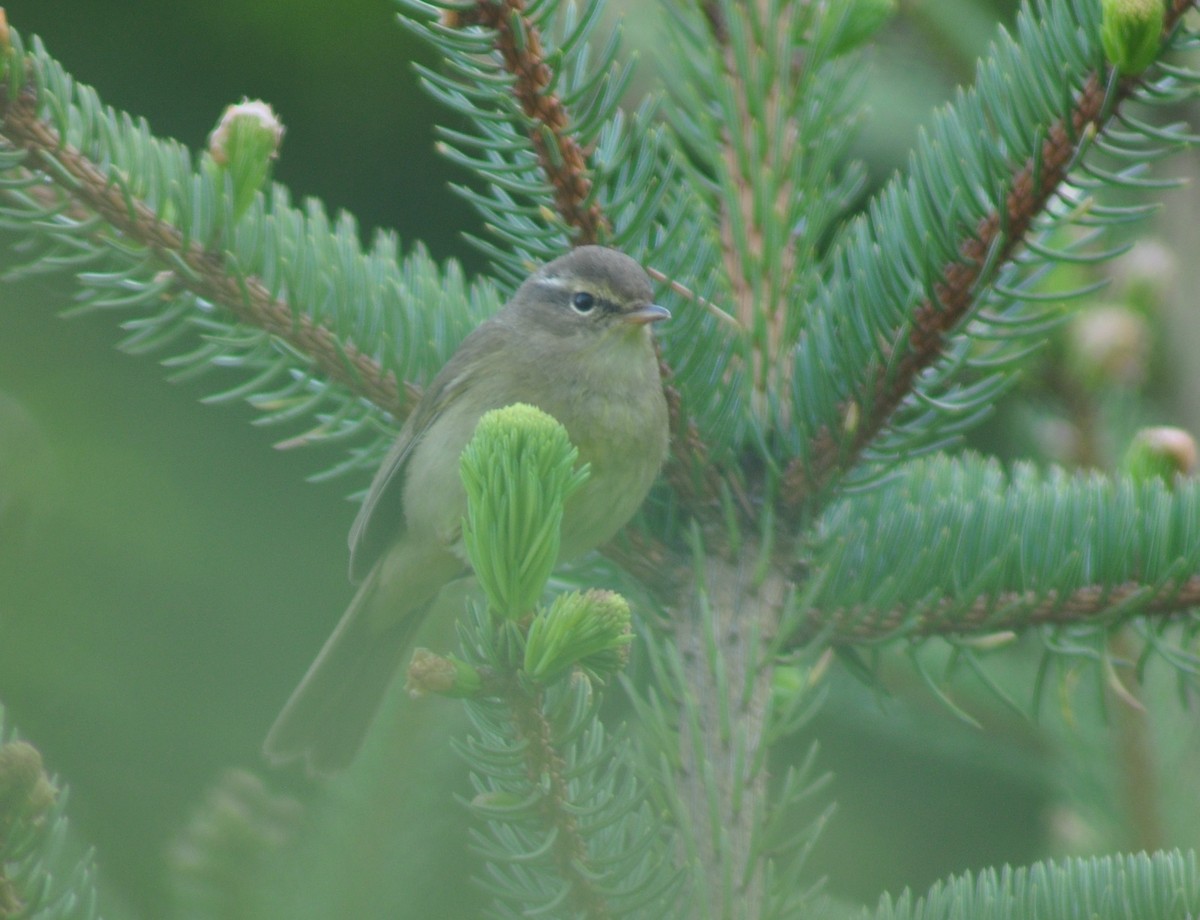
(614,412)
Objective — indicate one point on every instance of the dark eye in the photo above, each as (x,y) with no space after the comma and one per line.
(583,302)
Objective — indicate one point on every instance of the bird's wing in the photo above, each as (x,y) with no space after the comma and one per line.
(381,518)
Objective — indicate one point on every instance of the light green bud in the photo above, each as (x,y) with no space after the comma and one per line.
(244,143)
(1131,31)
(445,676)
(518,470)
(1162,452)
(590,630)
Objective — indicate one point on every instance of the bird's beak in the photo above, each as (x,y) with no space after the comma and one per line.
(650,313)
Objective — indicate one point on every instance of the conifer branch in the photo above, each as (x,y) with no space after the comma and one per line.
(756,297)
(1009,610)
(199,270)
(518,41)
(39,877)
(995,241)
(563,161)
(721,777)
(546,769)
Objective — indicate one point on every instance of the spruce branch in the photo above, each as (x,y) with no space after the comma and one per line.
(766,154)
(995,240)
(41,878)
(1105,605)
(195,268)
(518,41)
(757,305)
(960,547)
(1134,887)
(721,777)
(1032,189)
(545,768)
(564,810)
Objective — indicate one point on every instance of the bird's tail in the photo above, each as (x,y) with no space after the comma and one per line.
(327,716)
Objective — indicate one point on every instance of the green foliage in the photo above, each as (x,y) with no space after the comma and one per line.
(518,471)
(817,349)
(890,263)
(853,22)
(1161,452)
(409,311)
(243,145)
(586,630)
(1130,31)
(954,530)
(568,829)
(218,862)
(624,868)
(1142,887)
(42,875)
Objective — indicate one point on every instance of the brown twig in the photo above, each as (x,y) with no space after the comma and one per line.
(207,276)
(867,414)
(1005,611)
(561,158)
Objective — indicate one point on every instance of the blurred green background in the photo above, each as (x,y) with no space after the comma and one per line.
(166,575)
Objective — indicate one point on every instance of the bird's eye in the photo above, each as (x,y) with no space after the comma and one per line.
(583,302)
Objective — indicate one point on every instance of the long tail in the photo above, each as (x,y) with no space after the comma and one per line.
(327,716)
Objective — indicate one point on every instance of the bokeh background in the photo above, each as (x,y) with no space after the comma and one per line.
(166,574)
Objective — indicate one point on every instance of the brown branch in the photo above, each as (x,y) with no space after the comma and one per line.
(561,158)
(207,276)
(866,415)
(1006,611)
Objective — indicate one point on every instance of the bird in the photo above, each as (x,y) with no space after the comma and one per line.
(574,341)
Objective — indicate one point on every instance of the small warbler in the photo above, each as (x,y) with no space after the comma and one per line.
(573,341)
